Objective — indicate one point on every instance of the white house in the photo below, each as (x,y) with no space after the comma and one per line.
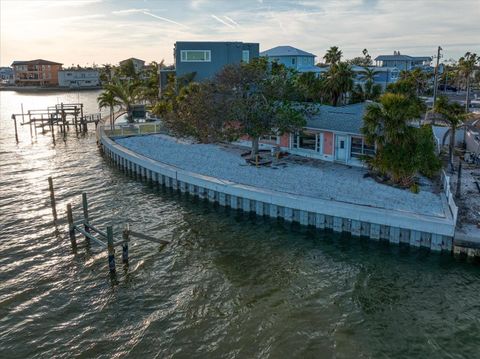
(79,78)
(293,58)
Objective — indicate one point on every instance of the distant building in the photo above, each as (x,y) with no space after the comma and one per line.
(292,58)
(383,75)
(402,62)
(36,72)
(79,78)
(205,59)
(6,76)
(138,64)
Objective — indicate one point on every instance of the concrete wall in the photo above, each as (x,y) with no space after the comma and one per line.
(222,54)
(394,226)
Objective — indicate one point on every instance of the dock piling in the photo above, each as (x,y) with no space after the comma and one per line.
(14,118)
(126,234)
(111,250)
(85,215)
(71,227)
(52,199)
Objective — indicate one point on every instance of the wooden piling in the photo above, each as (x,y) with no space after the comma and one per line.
(85,215)
(29,122)
(52,199)
(111,250)
(126,234)
(14,118)
(71,229)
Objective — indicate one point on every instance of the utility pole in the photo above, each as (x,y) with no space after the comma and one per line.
(435,81)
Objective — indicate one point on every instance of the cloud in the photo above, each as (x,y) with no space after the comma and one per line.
(165,19)
(129,11)
(231,20)
(223,21)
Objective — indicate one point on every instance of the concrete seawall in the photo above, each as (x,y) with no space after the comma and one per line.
(417,230)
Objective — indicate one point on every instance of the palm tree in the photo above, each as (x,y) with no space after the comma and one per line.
(127,94)
(453,114)
(333,55)
(368,74)
(108,100)
(338,81)
(466,65)
(386,125)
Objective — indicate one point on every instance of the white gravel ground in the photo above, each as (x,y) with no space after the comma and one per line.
(329,181)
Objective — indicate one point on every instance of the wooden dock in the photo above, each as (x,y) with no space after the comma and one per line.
(59,117)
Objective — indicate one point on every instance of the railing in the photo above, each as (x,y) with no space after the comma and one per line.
(129,129)
(448,193)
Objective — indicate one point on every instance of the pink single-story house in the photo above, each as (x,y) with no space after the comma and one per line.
(331,134)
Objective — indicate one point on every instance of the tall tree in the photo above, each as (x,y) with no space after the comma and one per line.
(333,55)
(418,78)
(338,80)
(108,100)
(256,101)
(401,150)
(127,94)
(454,114)
(466,65)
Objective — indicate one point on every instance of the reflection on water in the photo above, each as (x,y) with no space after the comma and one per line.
(229,285)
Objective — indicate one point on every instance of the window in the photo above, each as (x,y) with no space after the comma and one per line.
(359,148)
(269,138)
(307,141)
(293,61)
(195,55)
(246,56)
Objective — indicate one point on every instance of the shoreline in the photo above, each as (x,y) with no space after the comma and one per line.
(378,224)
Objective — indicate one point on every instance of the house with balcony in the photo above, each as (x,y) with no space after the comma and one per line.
(293,58)
(204,59)
(331,134)
(36,72)
(402,62)
(79,78)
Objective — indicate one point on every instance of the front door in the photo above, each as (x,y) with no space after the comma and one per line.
(341,148)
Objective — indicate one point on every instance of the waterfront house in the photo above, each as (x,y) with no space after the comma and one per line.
(293,58)
(138,64)
(204,59)
(6,76)
(402,62)
(36,72)
(79,78)
(331,134)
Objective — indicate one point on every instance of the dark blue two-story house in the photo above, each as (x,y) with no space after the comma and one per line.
(205,59)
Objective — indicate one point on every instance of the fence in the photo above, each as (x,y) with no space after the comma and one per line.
(129,129)
(448,193)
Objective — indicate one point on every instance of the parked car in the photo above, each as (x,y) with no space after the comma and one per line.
(447,88)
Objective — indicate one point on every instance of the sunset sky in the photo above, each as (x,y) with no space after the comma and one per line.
(95,31)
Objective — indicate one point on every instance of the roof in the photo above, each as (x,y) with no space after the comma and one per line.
(312,68)
(131,58)
(35,62)
(402,58)
(285,51)
(348,119)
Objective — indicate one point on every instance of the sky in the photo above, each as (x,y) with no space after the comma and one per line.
(106,31)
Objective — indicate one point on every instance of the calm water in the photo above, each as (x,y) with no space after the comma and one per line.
(228,286)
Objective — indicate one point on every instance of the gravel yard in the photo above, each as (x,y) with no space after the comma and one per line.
(322,180)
